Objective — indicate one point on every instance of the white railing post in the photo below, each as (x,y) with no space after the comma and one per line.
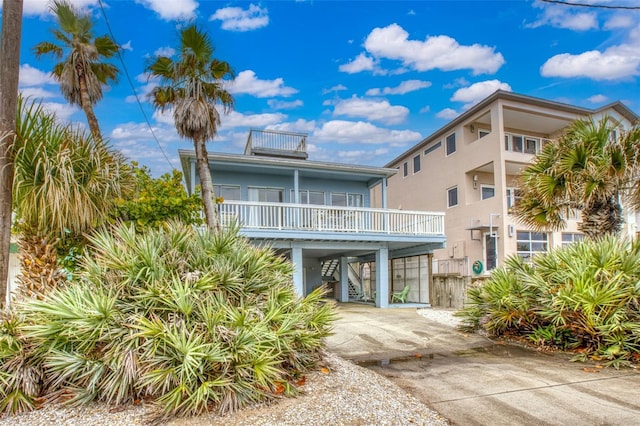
(315,218)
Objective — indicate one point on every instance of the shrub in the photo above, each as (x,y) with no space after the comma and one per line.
(193,320)
(585,296)
(156,200)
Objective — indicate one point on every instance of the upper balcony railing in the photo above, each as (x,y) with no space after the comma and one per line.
(275,143)
(315,218)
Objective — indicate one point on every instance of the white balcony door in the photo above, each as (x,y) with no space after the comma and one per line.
(490,251)
(262,216)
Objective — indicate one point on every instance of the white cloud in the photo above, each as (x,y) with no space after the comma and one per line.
(371,109)
(458,82)
(299,126)
(360,63)
(447,114)
(140,131)
(277,104)
(478,91)
(62,111)
(238,19)
(403,88)
(127,46)
(614,63)
(145,90)
(165,51)
(425,109)
(247,82)
(437,52)
(563,17)
(37,93)
(336,88)
(164,117)
(237,119)
(618,21)
(171,10)
(341,131)
(42,7)
(598,99)
(30,76)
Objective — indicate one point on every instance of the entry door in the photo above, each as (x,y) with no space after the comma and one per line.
(490,251)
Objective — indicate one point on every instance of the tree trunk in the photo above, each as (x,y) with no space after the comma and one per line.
(9,71)
(206,184)
(86,104)
(601,217)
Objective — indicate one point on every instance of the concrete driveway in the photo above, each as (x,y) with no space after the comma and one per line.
(472,380)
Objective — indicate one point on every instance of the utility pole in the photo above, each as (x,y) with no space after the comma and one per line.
(9,73)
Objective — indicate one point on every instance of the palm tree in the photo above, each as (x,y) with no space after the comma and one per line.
(192,85)
(593,167)
(9,70)
(81,74)
(66,184)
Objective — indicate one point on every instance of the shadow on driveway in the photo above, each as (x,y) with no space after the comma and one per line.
(472,380)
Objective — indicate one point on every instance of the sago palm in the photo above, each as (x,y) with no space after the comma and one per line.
(586,169)
(192,85)
(82,73)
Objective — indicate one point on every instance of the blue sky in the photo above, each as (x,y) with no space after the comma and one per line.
(365,79)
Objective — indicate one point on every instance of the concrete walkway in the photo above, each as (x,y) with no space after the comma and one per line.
(472,380)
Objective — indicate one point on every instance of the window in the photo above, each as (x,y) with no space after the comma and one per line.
(309,197)
(416,164)
(451,143)
(513,194)
(405,169)
(266,195)
(452,197)
(487,191)
(482,133)
(523,144)
(342,199)
(433,147)
(530,243)
(516,143)
(227,192)
(571,237)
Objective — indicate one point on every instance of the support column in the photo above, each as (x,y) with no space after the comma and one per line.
(344,279)
(298,279)
(296,187)
(384,192)
(192,176)
(382,277)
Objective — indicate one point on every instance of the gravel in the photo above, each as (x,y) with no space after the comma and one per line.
(339,394)
(442,316)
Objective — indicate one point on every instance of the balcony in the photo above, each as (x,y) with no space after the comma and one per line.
(273,143)
(330,219)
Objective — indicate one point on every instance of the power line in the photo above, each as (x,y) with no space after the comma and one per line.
(133,89)
(597,6)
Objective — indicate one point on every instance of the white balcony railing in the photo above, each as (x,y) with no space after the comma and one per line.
(304,217)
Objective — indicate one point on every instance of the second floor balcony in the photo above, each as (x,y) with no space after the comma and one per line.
(319,219)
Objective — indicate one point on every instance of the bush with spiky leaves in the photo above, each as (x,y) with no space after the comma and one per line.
(585,296)
(192,320)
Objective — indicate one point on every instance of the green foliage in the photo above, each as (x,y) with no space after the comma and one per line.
(156,200)
(586,169)
(193,320)
(66,182)
(585,296)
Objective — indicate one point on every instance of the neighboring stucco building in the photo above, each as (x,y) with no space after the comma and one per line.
(467,169)
(319,215)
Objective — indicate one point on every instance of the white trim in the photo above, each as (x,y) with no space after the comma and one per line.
(484,185)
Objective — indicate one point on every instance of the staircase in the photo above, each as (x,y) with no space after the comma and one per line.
(329,270)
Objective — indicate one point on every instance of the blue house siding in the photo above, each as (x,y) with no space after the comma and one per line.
(311,234)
